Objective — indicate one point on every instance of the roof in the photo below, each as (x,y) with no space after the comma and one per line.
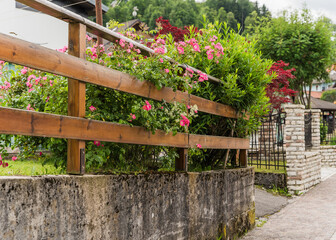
(323,105)
(84,8)
(315,94)
(128,24)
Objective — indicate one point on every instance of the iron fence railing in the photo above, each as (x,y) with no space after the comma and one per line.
(327,129)
(267,143)
(308,130)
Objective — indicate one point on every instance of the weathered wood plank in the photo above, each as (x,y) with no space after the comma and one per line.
(213,107)
(76,98)
(181,162)
(69,16)
(243,158)
(217,142)
(30,123)
(32,55)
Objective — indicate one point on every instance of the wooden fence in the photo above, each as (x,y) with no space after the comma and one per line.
(75,127)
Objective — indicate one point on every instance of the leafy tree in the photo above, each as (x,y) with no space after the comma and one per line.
(278,90)
(185,12)
(329,95)
(302,42)
(231,21)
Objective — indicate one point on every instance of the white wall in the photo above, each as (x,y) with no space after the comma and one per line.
(31,26)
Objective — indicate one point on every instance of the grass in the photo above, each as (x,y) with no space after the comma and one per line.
(29,168)
(277,191)
(270,169)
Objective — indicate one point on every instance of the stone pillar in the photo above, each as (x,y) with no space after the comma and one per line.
(303,166)
(294,145)
(316,141)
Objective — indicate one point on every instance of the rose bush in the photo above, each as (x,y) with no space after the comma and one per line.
(213,50)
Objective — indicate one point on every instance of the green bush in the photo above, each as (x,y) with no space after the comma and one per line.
(215,51)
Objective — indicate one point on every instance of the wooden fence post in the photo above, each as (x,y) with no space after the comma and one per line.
(76,99)
(181,162)
(99,18)
(243,157)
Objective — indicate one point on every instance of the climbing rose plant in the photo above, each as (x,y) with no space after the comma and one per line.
(214,51)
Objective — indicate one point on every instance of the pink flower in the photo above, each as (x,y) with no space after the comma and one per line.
(133,116)
(184,121)
(161,60)
(180,50)
(137,50)
(30,108)
(213,39)
(147,107)
(122,43)
(97,143)
(2,62)
(210,56)
(198,145)
(0,158)
(41,153)
(128,51)
(161,107)
(196,47)
(92,108)
(30,90)
(182,43)
(7,85)
(44,78)
(160,41)
(51,83)
(189,70)
(159,50)
(109,54)
(24,70)
(14,158)
(88,38)
(202,76)
(196,111)
(188,107)
(31,77)
(0,162)
(5,164)
(166,70)
(47,100)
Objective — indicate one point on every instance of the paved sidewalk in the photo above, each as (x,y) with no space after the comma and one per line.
(311,216)
(266,203)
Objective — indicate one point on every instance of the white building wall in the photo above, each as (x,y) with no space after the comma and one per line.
(32,26)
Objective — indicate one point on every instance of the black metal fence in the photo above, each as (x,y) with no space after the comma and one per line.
(267,143)
(308,129)
(327,128)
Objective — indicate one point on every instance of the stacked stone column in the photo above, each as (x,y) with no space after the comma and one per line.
(316,140)
(303,167)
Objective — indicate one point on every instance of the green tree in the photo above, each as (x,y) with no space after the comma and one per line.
(231,21)
(329,96)
(304,43)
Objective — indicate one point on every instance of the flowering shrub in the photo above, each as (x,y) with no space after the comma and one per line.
(215,51)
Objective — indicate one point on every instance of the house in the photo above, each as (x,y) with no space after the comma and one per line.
(28,24)
(318,87)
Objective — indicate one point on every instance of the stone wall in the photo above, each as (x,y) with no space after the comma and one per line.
(328,155)
(144,206)
(303,165)
(270,180)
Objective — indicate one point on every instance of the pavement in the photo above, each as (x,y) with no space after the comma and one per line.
(311,216)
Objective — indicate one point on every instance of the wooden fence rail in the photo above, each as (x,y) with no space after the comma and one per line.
(79,71)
